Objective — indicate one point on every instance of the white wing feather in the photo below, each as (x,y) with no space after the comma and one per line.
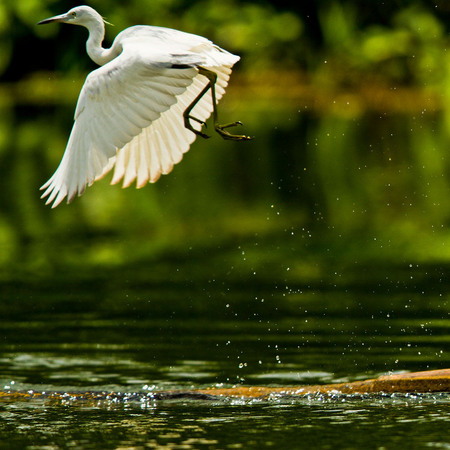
(162,145)
(130,114)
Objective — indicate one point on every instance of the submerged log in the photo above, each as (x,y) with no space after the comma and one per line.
(414,383)
(417,382)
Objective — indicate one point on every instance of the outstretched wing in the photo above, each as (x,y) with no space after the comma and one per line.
(160,146)
(129,113)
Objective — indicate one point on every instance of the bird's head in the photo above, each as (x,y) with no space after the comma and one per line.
(81,15)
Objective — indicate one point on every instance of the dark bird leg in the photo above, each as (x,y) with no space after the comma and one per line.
(220,129)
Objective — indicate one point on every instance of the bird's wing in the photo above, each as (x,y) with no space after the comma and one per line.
(130,113)
(117,101)
(162,144)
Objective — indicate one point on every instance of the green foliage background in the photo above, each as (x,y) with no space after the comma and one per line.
(349,105)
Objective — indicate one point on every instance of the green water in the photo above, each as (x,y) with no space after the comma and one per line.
(137,338)
(353,424)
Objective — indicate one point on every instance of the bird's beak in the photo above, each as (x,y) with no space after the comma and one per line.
(60,18)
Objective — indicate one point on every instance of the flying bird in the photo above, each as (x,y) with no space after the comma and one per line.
(140,111)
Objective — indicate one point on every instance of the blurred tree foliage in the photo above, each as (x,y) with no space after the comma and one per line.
(348,102)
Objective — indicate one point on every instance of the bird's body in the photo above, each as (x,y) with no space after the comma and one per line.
(140,111)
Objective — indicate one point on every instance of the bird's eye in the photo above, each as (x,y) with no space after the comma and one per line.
(73,14)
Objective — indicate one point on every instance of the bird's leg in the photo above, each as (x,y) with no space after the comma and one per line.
(212,77)
(220,129)
(187,114)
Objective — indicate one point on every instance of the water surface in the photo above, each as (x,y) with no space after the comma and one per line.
(146,339)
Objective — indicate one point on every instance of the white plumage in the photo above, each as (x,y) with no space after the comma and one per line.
(131,111)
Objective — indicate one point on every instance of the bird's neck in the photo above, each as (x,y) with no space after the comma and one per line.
(94,48)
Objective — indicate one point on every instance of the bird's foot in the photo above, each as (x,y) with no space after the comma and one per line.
(187,124)
(226,135)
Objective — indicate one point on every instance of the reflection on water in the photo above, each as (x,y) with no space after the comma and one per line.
(349,424)
(288,341)
(193,339)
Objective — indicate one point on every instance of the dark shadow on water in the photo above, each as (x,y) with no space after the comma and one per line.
(189,321)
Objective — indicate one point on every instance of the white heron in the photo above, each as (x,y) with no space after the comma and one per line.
(143,108)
